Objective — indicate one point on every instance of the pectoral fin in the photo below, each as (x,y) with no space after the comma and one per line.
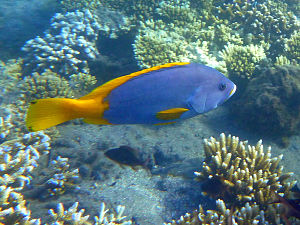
(197,101)
(171,114)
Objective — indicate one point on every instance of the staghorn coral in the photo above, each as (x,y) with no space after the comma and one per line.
(61,178)
(282,60)
(13,208)
(242,179)
(18,157)
(247,215)
(154,46)
(71,216)
(269,21)
(242,60)
(241,173)
(112,218)
(177,34)
(66,46)
(292,48)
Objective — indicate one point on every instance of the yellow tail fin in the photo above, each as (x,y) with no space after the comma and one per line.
(45,113)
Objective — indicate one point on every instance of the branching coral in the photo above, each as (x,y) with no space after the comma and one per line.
(241,173)
(10,73)
(112,218)
(241,60)
(292,48)
(247,215)
(45,85)
(242,178)
(13,208)
(63,178)
(73,5)
(177,34)
(82,83)
(282,60)
(67,45)
(18,157)
(138,10)
(71,216)
(155,47)
(267,21)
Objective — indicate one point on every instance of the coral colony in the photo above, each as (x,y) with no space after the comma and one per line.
(237,38)
(66,46)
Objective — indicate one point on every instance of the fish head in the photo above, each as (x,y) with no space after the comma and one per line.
(212,92)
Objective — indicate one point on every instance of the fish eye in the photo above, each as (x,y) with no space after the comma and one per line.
(222,87)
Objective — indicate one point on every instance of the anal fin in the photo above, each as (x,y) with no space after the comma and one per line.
(171,114)
(99,121)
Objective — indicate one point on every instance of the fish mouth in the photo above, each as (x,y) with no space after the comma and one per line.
(232,91)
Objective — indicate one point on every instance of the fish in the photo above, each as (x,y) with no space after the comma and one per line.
(158,95)
(125,155)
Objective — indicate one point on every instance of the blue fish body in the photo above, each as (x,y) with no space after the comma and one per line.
(192,86)
(159,95)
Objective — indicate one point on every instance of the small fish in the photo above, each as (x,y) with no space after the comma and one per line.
(125,155)
(159,95)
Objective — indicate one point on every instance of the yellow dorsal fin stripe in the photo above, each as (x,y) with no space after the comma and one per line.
(107,87)
(167,123)
(171,114)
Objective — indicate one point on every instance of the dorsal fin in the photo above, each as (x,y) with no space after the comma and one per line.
(107,87)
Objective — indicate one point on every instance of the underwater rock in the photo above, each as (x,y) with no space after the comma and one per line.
(271,103)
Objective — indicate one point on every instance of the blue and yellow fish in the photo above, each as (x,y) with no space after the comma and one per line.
(159,95)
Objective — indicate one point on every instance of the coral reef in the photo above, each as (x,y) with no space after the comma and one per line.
(177,34)
(271,102)
(137,10)
(241,62)
(82,83)
(66,46)
(239,173)
(71,216)
(13,208)
(292,48)
(261,21)
(73,5)
(203,29)
(45,85)
(10,73)
(282,60)
(19,157)
(242,178)
(62,178)
(245,216)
